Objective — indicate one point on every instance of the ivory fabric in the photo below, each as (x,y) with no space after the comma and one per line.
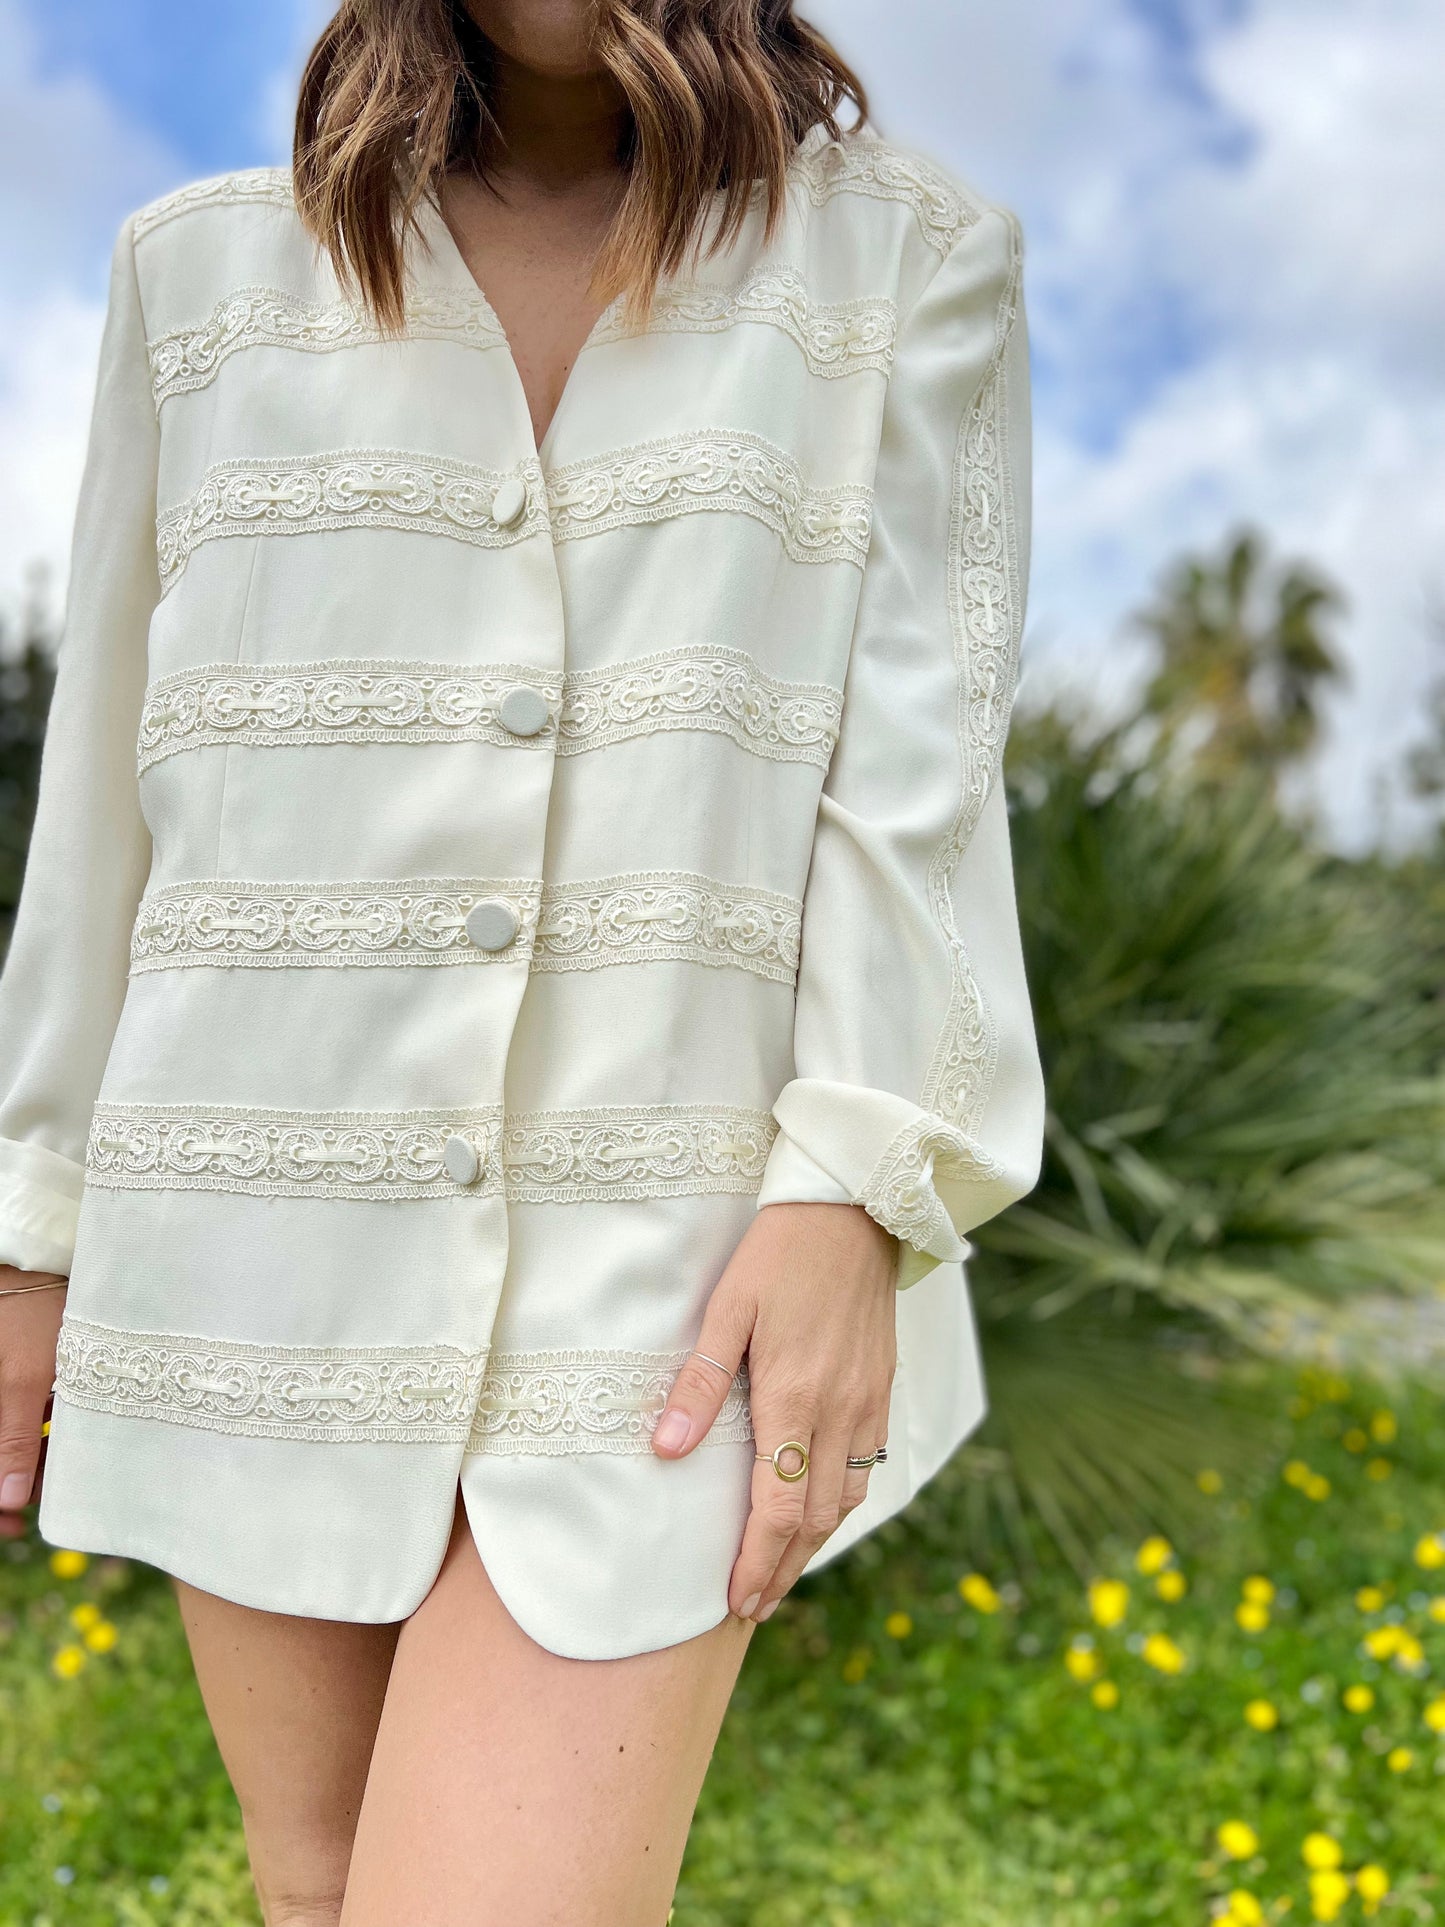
(471,878)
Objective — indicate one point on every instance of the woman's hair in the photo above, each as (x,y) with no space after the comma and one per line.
(720,92)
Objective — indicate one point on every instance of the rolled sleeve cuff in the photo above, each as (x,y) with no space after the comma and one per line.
(39,1204)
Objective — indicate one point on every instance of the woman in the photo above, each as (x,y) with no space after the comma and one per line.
(543,1007)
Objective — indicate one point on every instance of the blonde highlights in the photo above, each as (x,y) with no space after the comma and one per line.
(719,93)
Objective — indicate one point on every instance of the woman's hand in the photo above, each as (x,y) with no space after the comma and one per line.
(809,1296)
(29,1326)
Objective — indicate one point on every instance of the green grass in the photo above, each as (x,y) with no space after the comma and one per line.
(933,1769)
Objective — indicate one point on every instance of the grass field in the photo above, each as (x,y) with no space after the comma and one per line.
(1248,1728)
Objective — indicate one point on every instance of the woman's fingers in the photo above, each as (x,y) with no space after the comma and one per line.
(870,1434)
(822,1509)
(704,1381)
(775,1519)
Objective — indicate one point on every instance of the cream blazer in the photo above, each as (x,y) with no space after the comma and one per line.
(470,878)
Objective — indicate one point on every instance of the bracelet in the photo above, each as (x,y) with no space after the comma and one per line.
(17,1291)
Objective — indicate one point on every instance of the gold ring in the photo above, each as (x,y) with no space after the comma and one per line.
(773,1459)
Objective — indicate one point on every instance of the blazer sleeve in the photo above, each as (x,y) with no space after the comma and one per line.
(918,1091)
(65,976)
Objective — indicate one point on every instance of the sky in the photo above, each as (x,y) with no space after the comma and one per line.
(1235,280)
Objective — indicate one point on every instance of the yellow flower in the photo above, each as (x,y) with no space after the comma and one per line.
(101,1637)
(1160,1652)
(1171,1584)
(1108,1601)
(978,1592)
(1083,1662)
(1262,1715)
(1251,1617)
(1244,1909)
(1154,1555)
(1296,1472)
(1372,1883)
(1317,1486)
(855,1666)
(1328,1893)
(1437,1607)
(1355,1440)
(1369,1599)
(83,1615)
(1383,1642)
(1384,1426)
(1105,1695)
(1208,1480)
(1399,1759)
(68,1565)
(1238,1839)
(1435,1715)
(68,1661)
(898,1625)
(1409,1654)
(1321,1851)
(1358,1699)
(1378,1469)
(1430,1551)
(1257,1589)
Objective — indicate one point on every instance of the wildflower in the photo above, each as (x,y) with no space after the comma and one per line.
(1171,1584)
(1409,1654)
(1358,1699)
(1372,1883)
(1252,1617)
(1430,1551)
(898,1625)
(1355,1440)
(1321,1851)
(68,1661)
(855,1666)
(1383,1642)
(68,1565)
(1435,1715)
(1437,1607)
(1208,1480)
(1258,1590)
(1378,1469)
(1262,1715)
(1105,1695)
(1369,1599)
(1238,1839)
(978,1592)
(101,1637)
(1384,1426)
(84,1615)
(1296,1472)
(1154,1555)
(1160,1652)
(1082,1661)
(1317,1486)
(1108,1601)
(1244,1909)
(1329,1891)
(1399,1759)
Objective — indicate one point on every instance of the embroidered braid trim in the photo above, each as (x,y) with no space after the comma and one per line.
(901,1193)
(863,164)
(842,338)
(668,914)
(722,690)
(542,1404)
(266,186)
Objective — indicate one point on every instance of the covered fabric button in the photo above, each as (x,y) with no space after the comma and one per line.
(509,502)
(461,1160)
(492,924)
(524,711)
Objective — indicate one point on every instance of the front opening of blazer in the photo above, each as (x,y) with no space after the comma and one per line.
(470,878)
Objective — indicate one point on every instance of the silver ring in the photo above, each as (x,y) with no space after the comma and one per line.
(866,1465)
(712,1361)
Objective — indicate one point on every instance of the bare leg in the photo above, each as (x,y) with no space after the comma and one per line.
(511,1788)
(295,1705)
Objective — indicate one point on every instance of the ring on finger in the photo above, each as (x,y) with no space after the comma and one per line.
(880,1457)
(775,1459)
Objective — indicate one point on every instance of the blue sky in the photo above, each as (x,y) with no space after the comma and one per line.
(1234,279)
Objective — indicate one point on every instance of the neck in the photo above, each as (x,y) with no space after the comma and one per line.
(555,130)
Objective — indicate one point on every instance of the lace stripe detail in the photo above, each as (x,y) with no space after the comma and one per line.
(354,488)
(400,1394)
(357,701)
(668,914)
(713,689)
(901,1193)
(734,472)
(269,186)
(190,358)
(544,1404)
(614,1152)
(862,164)
(840,338)
(328,924)
(288,1154)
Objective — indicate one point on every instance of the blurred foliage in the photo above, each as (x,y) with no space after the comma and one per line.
(27,676)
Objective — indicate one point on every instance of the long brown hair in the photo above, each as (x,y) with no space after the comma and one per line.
(719,94)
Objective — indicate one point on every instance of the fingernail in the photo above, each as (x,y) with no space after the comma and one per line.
(749,1605)
(673,1430)
(15,1490)
(768,1610)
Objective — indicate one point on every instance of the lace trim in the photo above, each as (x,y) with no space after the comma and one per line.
(351,488)
(401,1394)
(190,358)
(328,924)
(838,339)
(398,702)
(542,1404)
(270,185)
(712,689)
(986,613)
(286,1154)
(614,1152)
(901,1193)
(668,914)
(863,164)
(685,474)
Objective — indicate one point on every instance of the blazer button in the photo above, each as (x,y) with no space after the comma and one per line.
(525,712)
(462,1162)
(492,924)
(509,502)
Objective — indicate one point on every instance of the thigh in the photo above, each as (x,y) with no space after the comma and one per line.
(511,1788)
(294,1704)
